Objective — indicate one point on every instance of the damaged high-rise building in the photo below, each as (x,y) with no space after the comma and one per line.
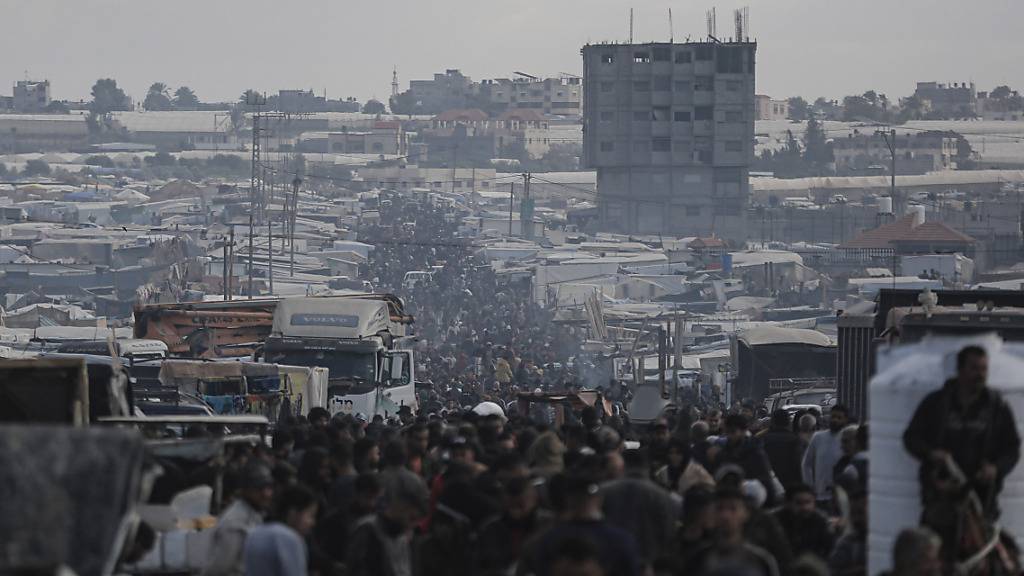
(669,128)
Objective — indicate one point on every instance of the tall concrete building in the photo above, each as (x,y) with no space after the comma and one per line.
(670,129)
(31,96)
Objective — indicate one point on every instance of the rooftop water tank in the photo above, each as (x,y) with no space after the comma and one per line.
(906,374)
(885,205)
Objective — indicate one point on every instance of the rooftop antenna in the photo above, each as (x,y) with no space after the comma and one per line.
(671,29)
(712,18)
(630,25)
(738,21)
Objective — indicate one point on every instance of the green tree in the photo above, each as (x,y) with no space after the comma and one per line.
(160,159)
(1001,92)
(158,97)
(252,98)
(798,108)
(816,148)
(185,99)
(872,97)
(107,97)
(859,108)
(403,103)
(374,107)
(911,108)
(99,160)
(36,168)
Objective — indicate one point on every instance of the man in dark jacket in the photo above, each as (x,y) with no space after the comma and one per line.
(740,449)
(970,424)
(782,446)
(806,528)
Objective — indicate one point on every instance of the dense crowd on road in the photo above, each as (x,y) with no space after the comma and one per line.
(482,493)
(469,484)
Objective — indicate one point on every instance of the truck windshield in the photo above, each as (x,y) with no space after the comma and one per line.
(360,367)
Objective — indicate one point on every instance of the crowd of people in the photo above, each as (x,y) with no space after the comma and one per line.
(475,493)
(480,335)
(456,490)
(461,488)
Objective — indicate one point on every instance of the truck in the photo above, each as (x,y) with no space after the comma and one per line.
(358,339)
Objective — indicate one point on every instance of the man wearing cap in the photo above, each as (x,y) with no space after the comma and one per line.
(227,544)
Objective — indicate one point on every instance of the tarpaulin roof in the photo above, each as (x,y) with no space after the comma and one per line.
(760,335)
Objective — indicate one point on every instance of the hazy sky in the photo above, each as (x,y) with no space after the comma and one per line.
(348,47)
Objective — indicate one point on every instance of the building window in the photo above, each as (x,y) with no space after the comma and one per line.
(641,86)
(704,113)
(607,86)
(661,145)
(662,83)
(607,59)
(734,146)
(641,116)
(733,85)
(662,53)
(704,52)
(733,116)
(607,146)
(660,114)
(607,116)
(682,86)
(641,58)
(693,210)
(682,116)
(729,175)
(684,57)
(704,84)
(640,145)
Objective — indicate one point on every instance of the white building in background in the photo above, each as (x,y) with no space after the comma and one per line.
(768,109)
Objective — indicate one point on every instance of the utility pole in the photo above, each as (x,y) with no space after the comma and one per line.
(231,261)
(890,142)
(526,208)
(270,237)
(224,278)
(455,161)
(291,226)
(253,184)
(511,200)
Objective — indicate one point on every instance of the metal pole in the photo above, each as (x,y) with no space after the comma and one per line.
(231,261)
(892,185)
(253,184)
(224,278)
(511,199)
(291,226)
(662,361)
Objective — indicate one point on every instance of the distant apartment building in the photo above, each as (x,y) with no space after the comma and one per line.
(42,132)
(561,96)
(473,136)
(956,100)
(768,109)
(385,137)
(31,96)
(447,91)
(305,101)
(915,153)
(669,129)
